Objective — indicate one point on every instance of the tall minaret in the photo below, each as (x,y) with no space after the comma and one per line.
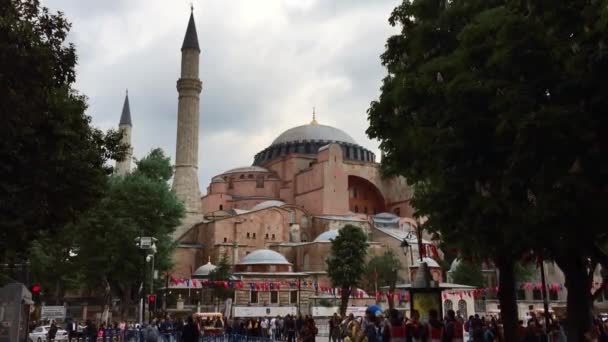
(125,125)
(189,86)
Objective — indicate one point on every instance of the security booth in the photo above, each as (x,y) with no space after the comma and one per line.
(15,303)
(426,293)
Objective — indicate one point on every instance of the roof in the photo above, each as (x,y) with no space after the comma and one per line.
(125,117)
(340,217)
(429,261)
(312,132)
(247,169)
(204,270)
(327,235)
(401,235)
(444,286)
(264,256)
(191,38)
(267,204)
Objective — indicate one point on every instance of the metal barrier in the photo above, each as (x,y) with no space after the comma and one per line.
(133,335)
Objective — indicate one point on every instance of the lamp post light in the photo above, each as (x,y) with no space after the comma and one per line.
(150,259)
(144,243)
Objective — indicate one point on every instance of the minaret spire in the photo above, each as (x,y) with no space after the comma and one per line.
(189,87)
(314,117)
(125,125)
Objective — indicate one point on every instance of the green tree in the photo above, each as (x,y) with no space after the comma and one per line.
(495,110)
(222,273)
(382,270)
(346,262)
(137,204)
(468,273)
(53,162)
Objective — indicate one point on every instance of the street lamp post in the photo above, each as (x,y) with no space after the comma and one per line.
(144,243)
(150,258)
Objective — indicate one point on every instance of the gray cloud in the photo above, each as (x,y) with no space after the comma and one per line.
(264,65)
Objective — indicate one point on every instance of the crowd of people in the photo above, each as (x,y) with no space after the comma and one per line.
(375,326)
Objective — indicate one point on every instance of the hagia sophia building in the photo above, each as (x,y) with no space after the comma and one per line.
(274,219)
(277,216)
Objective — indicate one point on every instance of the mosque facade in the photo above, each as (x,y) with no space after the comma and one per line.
(275,218)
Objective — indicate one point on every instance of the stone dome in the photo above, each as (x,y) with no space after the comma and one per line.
(204,270)
(264,256)
(218,179)
(312,132)
(267,204)
(327,236)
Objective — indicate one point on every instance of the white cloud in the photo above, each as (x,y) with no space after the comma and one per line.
(264,65)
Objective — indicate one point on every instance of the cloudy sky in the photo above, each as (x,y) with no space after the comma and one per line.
(264,65)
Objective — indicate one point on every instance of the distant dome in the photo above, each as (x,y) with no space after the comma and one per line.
(247,169)
(429,261)
(386,215)
(327,236)
(204,270)
(267,204)
(218,179)
(311,132)
(264,256)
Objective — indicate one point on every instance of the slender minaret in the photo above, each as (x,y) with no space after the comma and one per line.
(125,125)
(189,86)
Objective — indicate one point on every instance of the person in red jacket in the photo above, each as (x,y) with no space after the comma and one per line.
(435,327)
(454,331)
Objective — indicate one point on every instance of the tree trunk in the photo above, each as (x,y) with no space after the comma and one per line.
(578,313)
(391,297)
(344,300)
(507,297)
(125,301)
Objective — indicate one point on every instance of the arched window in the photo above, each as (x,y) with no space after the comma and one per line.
(462,308)
(356,209)
(259,182)
(447,305)
(231,183)
(242,176)
(250,176)
(221,207)
(397,211)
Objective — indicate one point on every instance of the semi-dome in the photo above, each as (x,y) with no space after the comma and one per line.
(313,132)
(264,256)
(327,235)
(267,204)
(243,169)
(204,270)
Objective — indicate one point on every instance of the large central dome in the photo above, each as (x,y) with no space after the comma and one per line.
(313,132)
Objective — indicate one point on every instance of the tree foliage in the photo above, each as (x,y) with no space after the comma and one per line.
(385,268)
(222,272)
(468,273)
(53,162)
(346,262)
(495,110)
(137,204)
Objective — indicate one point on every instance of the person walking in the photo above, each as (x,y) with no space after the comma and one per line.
(396,328)
(290,328)
(52,331)
(454,331)
(190,332)
(435,327)
(334,328)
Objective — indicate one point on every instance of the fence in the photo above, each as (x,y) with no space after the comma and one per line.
(133,335)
